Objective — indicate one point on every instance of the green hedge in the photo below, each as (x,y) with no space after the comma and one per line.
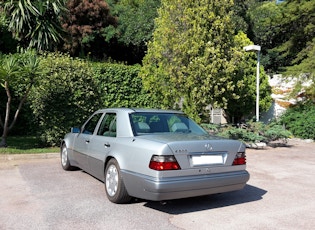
(120,86)
(64,96)
(72,89)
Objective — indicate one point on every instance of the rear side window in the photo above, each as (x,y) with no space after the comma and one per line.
(108,125)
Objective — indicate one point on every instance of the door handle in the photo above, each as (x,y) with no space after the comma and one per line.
(87,141)
(107,145)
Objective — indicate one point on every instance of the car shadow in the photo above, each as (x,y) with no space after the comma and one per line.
(187,205)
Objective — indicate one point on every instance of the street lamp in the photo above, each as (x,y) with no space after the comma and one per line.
(256,48)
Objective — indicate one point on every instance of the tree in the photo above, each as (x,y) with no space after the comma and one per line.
(134,29)
(7,43)
(303,72)
(264,19)
(86,25)
(244,80)
(284,30)
(189,61)
(287,32)
(267,31)
(36,23)
(240,17)
(136,21)
(19,70)
(299,49)
(298,28)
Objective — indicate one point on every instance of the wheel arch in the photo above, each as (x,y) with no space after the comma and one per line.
(107,159)
(62,143)
(117,157)
(122,195)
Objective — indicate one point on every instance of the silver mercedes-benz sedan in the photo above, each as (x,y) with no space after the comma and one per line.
(154,155)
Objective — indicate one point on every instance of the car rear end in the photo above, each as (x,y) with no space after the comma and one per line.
(194,167)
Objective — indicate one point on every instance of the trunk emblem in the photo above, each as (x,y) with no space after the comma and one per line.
(181,151)
(208,146)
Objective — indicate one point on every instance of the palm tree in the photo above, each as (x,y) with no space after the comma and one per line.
(36,23)
(21,69)
(8,69)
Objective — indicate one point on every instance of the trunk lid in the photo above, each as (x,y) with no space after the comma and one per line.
(199,151)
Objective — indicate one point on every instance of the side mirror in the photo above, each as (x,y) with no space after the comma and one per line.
(75,130)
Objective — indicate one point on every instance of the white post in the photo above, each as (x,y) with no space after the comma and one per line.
(257,87)
(256,48)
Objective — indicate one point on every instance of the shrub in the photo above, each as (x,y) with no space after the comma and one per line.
(241,134)
(120,86)
(252,132)
(65,96)
(72,89)
(211,128)
(300,120)
(275,132)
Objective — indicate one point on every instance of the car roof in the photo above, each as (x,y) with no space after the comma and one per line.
(138,110)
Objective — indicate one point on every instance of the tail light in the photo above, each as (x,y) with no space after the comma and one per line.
(240,159)
(161,163)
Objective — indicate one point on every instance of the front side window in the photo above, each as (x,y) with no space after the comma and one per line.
(89,127)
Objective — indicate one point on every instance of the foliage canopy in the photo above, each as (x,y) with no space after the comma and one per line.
(191,61)
(86,25)
(36,23)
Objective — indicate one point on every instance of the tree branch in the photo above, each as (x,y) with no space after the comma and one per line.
(20,106)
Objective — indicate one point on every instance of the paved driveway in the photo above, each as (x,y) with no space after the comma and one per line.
(38,194)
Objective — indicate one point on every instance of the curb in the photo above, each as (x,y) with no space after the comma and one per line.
(11,157)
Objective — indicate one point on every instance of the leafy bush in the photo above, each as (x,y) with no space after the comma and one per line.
(300,120)
(65,96)
(252,132)
(72,89)
(211,128)
(241,134)
(275,132)
(120,86)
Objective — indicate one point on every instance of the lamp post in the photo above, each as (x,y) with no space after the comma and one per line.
(256,48)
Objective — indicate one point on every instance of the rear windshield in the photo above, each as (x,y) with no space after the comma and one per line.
(148,123)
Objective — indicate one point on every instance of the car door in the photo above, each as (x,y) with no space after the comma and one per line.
(101,143)
(83,141)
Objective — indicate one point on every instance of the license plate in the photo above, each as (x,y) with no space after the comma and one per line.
(207,159)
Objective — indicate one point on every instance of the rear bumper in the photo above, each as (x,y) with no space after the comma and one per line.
(181,187)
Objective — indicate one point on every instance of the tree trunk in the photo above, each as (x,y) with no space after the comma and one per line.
(6,127)
(3,142)
(20,107)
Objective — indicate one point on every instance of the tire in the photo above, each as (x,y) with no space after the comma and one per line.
(114,185)
(65,163)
